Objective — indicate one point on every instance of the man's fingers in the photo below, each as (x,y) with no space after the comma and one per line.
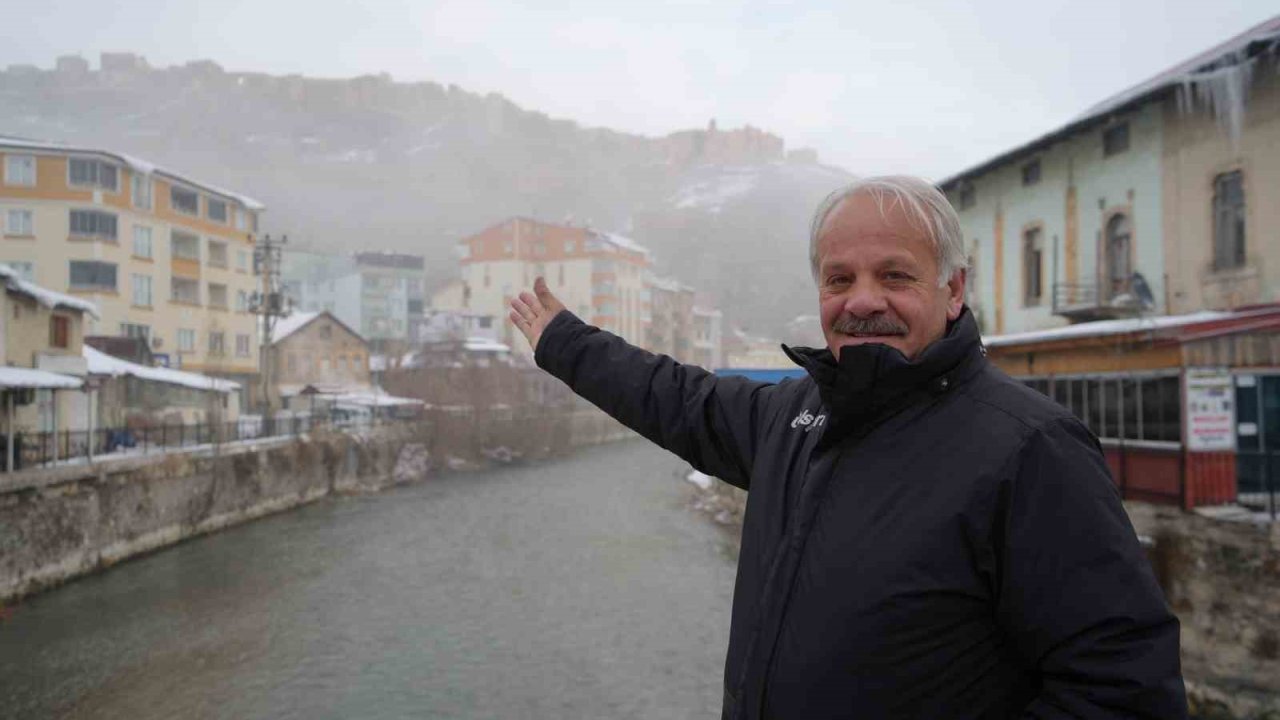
(549,302)
(533,303)
(521,308)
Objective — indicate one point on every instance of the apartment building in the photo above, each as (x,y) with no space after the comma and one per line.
(599,276)
(163,256)
(380,294)
(670,318)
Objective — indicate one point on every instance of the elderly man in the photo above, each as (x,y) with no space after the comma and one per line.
(924,537)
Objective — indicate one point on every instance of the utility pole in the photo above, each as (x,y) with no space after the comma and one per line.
(269,304)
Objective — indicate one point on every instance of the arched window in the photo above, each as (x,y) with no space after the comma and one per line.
(1119,253)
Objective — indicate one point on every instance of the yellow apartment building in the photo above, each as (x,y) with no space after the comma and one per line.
(162,256)
(599,276)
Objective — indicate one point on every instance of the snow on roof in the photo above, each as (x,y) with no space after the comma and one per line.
(45,297)
(101,363)
(291,324)
(623,242)
(480,344)
(1203,66)
(16,377)
(664,283)
(374,400)
(1113,327)
(143,166)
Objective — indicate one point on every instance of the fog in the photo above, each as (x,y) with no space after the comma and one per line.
(405,126)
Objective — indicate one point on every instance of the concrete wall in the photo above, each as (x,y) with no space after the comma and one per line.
(60,523)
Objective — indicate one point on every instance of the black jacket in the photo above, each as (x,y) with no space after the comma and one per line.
(925,539)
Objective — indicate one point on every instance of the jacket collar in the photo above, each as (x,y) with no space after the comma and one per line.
(870,379)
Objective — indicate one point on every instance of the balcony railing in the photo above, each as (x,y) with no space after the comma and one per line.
(1083,302)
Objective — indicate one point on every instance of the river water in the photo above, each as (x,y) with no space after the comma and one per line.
(580,588)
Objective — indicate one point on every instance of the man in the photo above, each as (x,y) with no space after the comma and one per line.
(924,537)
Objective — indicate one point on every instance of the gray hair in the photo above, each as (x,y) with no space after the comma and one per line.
(925,206)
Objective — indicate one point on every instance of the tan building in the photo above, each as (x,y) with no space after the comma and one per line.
(1220,177)
(41,336)
(316,349)
(162,256)
(599,276)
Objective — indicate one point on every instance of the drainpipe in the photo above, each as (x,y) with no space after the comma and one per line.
(8,461)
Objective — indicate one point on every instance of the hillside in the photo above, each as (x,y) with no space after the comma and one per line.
(372,163)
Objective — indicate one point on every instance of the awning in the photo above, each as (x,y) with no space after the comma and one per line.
(17,377)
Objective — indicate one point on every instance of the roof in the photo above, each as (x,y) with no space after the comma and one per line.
(16,377)
(45,297)
(101,363)
(623,242)
(480,344)
(1229,52)
(1191,322)
(290,324)
(295,321)
(134,163)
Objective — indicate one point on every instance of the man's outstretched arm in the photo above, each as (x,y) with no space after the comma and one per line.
(708,421)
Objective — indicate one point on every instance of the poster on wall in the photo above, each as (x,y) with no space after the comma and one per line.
(1210,410)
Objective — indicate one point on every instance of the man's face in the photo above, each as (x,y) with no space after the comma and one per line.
(878,280)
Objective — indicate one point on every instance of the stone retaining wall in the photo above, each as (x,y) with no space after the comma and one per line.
(58,523)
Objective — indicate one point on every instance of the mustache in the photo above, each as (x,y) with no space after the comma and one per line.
(875,325)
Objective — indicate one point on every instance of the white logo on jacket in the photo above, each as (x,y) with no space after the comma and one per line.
(808,420)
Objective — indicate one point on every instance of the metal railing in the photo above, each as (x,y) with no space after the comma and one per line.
(43,449)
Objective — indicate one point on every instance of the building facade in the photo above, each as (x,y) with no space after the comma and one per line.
(1154,201)
(599,276)
(319,350)
(163,256)
(378,294)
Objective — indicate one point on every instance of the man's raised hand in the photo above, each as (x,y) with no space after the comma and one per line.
(530,312)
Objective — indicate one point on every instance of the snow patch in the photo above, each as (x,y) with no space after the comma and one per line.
(702,480)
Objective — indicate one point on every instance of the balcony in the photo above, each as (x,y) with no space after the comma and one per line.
(1086,302)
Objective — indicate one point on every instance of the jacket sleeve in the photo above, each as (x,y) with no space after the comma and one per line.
(708,421)
(1077,595)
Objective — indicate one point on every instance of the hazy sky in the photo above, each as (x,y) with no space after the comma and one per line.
(923,87)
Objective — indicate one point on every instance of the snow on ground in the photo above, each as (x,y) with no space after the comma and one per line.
(702,480)
(713,194)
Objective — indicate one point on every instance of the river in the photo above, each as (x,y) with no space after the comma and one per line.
(579,588)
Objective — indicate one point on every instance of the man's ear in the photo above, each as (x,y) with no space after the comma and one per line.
(955,294)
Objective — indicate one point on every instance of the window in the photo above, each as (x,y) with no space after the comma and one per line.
(292,363)
(19,222)
(143,190)
(242,345)
(184,200)
(242,260)
(1031,173)
(217,253)
(133,330)
(83,172)
(242,301)
(217,295)
(92,275)
(142,290)
(25,270)
(20,170)
(185,290)
(1115,139)
(1147,409)
(142,241)
(216,209)
(1119,255)
(60,331)
(1228,221)
(186,340)
(239,214)
(93,224)
(184,246)
(506,247)
(1032,266)
(968,196)
(569,246)
(216,342)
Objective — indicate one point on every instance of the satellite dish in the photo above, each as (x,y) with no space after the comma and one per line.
(1142,291)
